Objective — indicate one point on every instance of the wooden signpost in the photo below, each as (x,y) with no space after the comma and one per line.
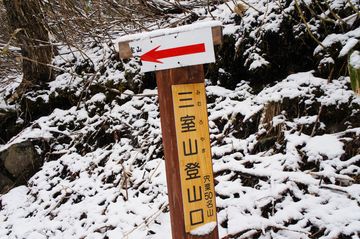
(177,56)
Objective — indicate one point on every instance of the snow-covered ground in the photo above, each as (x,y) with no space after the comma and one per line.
(286,158)
(118,190)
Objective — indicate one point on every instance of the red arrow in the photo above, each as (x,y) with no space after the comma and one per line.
(154,55)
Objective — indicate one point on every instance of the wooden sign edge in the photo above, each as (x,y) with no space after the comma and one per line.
(125,50)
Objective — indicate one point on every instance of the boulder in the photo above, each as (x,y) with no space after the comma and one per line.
(20,161)
(5,183)
(8,126)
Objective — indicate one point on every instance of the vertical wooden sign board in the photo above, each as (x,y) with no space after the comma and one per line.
(186,141)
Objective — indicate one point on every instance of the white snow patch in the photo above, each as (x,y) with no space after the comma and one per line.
(306,120)
(99,97)
(204,229)
(168,31)
(218,91)
(15,197)
(350,44)
(347,40)
(355,60)
(328,145)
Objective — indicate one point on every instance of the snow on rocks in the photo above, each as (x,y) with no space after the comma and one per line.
(327,145)
(106,178)
(348,41)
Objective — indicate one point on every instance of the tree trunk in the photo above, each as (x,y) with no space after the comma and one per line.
(27,22)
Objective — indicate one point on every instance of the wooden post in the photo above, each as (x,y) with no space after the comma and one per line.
(185,129)
(165,80)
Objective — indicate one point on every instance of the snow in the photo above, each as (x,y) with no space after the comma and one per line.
(350,44)
(327,145)
(306,120)
(91,185)
(6,88)
(108,180)
(257,62)
(204,229)
(168,31)
(355,60)
(99,97)
(218,91)
(17,196)
(347,40)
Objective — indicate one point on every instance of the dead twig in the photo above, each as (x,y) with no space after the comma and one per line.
(316,121)
(306,24)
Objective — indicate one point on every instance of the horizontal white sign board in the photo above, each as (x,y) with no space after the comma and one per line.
(174,50)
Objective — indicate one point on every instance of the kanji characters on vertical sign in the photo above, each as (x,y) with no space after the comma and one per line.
(194,153)
(187,123)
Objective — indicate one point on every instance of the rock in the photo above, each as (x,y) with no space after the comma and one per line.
(8,126)
(21,161)
(5,183)
(35,103)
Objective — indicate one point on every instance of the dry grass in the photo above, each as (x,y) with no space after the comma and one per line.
(271,110)
(9,66)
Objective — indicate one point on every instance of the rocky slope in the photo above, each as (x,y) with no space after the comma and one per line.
(285,136)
